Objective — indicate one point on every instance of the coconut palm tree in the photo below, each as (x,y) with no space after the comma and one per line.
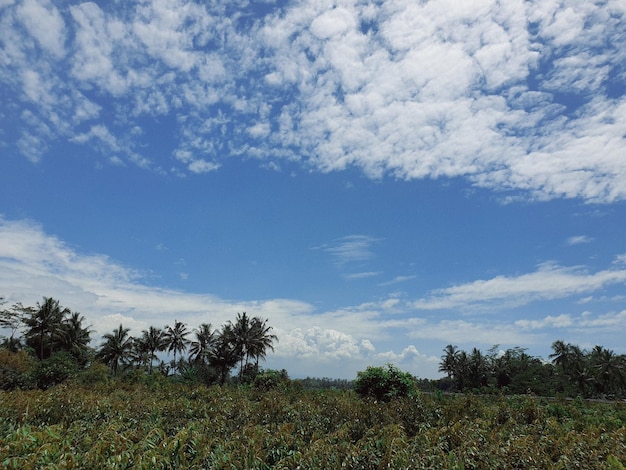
(44,325)
(176,338)
(153,340)
(199,348)
(225,354)
(608,370)
(262,340)
(117,348)
(449,360)
(74,338)
(243,338)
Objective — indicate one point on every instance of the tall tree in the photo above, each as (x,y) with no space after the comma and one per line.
(176,338)
(74,338)
(243,339)
(225,354)
(609,371)
(44,325)
(116,349)
(200,347)
(449,360)
(153,340)
(262,340)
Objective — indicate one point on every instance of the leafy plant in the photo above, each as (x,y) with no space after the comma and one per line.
(384,383)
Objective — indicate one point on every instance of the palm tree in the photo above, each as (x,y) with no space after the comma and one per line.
(562,354)
(225,354)
(262,340)
(117,348)
(461,370)
(608,368)
(153,340)
(44,324)
(176,338)
(243,339)
(201,346)
(449,360)
(477,368)
(75,339)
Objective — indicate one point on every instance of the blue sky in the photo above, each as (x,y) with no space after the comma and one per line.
(378,179)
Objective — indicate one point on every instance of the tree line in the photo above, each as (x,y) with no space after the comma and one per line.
(48,343)
(572,371)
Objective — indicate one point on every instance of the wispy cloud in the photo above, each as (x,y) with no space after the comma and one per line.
(578,240)
(397,280)
(400,88)
(363,275)
(548,282)
(351,249)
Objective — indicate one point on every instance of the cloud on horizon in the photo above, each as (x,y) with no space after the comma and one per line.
(522,97)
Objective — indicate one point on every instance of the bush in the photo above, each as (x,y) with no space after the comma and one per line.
(270,379)
(385,383)
(54,370)
(15,369)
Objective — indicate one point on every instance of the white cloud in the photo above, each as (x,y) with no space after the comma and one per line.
(397,280)
(406,89)
(578,240)
(351,249)
(559,321)
(548,282)
(44,22)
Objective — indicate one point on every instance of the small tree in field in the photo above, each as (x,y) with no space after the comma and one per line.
(384,383)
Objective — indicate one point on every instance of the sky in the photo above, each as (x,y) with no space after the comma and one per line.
(376,179)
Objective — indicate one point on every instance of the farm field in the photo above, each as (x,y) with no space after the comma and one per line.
(120,425)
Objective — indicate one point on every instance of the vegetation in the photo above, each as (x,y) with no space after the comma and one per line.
(599,373)
(156,422)
(66,405)
(385,383)
(49,344)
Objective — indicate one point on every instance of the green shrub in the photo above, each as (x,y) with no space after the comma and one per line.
(385,383)
(270,379)
(54,370)
(15,369)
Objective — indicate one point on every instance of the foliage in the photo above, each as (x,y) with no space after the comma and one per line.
(54,370)
(384,383)
(119,425)
(599,373)
(15,369)
(271,379)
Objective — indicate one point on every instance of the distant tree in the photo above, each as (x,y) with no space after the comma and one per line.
(225,353)
(176,338)
(74,338)
(242,339)
(117,348)
(153,340)
(200,347)
(609,370)
(449,360)
(262,340)
(12,319)
(44,325)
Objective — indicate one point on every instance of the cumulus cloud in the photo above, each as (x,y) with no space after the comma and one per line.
(514,96)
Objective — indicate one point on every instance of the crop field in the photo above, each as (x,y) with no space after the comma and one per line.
(166,425)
